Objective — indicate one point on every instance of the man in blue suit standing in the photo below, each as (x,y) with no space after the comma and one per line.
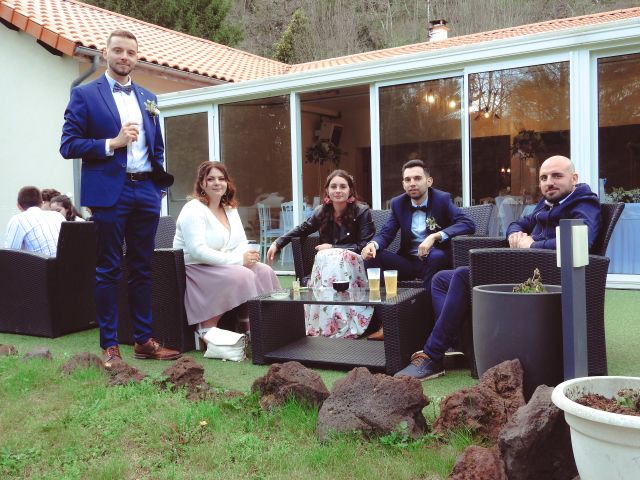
(427,219)
(113,125)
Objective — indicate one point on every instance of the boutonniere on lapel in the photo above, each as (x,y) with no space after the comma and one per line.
(151,107)
(432,224)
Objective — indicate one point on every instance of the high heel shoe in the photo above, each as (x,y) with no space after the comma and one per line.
(200,332)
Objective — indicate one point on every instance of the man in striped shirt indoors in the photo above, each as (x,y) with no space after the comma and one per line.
(33,229)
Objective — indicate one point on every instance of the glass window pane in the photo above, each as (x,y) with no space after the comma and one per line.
(255,145)
(186,146)
(619,154)
(335,134)
(518,117)
(421,120)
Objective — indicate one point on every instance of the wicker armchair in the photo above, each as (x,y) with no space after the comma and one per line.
(167,294)
(169,283)
(50,296)
(304,248)
(490,264)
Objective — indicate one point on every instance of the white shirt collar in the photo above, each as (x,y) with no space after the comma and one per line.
(112,81)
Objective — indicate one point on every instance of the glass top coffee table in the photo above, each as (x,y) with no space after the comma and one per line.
(278,329)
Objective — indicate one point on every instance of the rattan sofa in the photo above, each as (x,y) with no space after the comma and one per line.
(50,296)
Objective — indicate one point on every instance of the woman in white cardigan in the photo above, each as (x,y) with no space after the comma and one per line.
(222,272)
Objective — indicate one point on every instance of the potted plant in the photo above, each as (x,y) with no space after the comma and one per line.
(605,444)
(520,321)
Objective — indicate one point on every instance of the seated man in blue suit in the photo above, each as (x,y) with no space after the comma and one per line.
(427,219)
(113,125)
(563,197)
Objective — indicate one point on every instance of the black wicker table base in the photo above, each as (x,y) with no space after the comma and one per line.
(278,330)
(332,353)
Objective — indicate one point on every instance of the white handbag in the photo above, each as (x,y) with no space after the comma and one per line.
(225,344)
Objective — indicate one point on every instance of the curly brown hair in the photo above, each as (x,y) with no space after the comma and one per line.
(229,197)
(327,212)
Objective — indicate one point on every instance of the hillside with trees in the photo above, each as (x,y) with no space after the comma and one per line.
(297,31)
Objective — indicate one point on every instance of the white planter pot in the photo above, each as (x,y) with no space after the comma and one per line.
(605,445)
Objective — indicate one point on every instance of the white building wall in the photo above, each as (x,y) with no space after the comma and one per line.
(34,91)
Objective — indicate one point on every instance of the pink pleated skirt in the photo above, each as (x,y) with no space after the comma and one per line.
(215,289)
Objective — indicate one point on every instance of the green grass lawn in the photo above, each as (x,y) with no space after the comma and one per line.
(54,426)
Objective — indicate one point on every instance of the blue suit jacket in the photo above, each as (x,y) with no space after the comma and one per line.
(449,217)
(89,120)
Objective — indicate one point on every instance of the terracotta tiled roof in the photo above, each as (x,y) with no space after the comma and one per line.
(65,24)
(548,26)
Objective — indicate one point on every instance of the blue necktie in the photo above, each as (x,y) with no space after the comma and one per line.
(122,88)
(421,208)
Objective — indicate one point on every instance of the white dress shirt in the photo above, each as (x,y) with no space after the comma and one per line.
(207,241)
(34,230)
(129,110)
(419,227)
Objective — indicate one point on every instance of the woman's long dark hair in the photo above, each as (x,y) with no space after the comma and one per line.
(228,199)
(327,212)
(65,201)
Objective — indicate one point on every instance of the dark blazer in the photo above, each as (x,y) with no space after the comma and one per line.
(89,120)
(337,235)
(450,219)
(542,222)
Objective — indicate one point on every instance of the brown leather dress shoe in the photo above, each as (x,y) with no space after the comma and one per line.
(111,356)
(379,335)
(151,349)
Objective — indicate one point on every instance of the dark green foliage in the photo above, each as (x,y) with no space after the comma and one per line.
(200,18)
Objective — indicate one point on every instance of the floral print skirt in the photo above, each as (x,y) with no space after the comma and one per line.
(337,321)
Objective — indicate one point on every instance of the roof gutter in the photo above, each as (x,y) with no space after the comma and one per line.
(95,61)
(168,71)
(77,170)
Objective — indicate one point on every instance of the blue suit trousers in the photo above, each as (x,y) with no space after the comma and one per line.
(134,219)
(450,295)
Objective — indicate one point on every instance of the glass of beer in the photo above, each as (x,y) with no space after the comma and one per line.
(373,274)
(374,296)
(391,282)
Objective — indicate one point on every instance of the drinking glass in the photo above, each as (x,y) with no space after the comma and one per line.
(373,274)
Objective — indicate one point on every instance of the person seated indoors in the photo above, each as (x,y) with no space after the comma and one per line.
(47,195)
(563,197)
(222,271)
(62,204)
(33,229)
(345,226)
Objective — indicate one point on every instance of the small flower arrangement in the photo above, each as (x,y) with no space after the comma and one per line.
(151,107)
(626,196)
(432,224)
(323,151)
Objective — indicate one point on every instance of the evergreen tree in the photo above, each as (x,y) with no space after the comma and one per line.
(287,49)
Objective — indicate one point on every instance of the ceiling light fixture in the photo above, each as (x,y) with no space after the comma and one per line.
(430,97)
